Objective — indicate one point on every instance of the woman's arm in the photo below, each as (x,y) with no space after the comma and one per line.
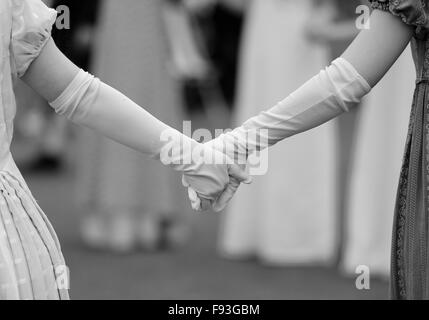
(327,95)
(87,101)
(330,93)
(188,60)
(375,50)
(51,73)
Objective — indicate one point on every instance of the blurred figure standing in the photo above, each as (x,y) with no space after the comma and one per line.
(287,216)
(219,24)
(119,190)
(206,55)
(336,34)
(370,138)
(380,139)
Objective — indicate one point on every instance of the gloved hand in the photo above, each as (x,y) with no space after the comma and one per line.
(327,95)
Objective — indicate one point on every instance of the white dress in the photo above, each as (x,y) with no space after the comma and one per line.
(31,262)
(381,134)
(288,215)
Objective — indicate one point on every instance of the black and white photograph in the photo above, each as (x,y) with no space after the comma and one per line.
(223,152)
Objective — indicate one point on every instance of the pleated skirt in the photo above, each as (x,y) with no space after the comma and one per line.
(31,263)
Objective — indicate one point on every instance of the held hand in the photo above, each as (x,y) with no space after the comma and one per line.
(224,143)
(198,203)
(236,173)
(221,203)
(209,171)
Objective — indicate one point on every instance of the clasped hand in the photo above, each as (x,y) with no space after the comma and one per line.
(207,186)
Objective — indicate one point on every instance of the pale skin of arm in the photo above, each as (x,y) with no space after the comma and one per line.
(51,73)
(374,51)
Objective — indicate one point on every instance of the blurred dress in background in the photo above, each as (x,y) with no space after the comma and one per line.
(286,216)
(221,28)
(128,197)
(370,137)
(381,134)
(337,33)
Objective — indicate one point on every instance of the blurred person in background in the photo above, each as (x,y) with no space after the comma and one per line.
(277,57)
(205,41)
(367,184)
(336,34)
(223,36)
(132,202)
(218,29)
(379,146)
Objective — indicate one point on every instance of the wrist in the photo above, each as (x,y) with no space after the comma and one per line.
(233,144)
(204,168)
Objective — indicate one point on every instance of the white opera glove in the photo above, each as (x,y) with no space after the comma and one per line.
(89,102)
(333,91)
(199,204)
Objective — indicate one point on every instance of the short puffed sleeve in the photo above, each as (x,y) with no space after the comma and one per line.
(32,23)
(412,12)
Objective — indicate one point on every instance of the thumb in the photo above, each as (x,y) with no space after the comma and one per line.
(184,182)
(205,204)
(226,196)
(239,174)
(195,200)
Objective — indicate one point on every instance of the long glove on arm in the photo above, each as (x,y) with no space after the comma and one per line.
(332,92)
(89,102)
(329,94)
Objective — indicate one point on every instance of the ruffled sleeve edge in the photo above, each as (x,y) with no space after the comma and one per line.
(29,39)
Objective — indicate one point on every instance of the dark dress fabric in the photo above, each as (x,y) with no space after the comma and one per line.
(409,269)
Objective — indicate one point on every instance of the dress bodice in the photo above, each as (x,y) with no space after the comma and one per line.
(7,98)
(25,27)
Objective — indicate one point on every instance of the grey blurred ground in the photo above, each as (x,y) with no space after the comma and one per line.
(194,272)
